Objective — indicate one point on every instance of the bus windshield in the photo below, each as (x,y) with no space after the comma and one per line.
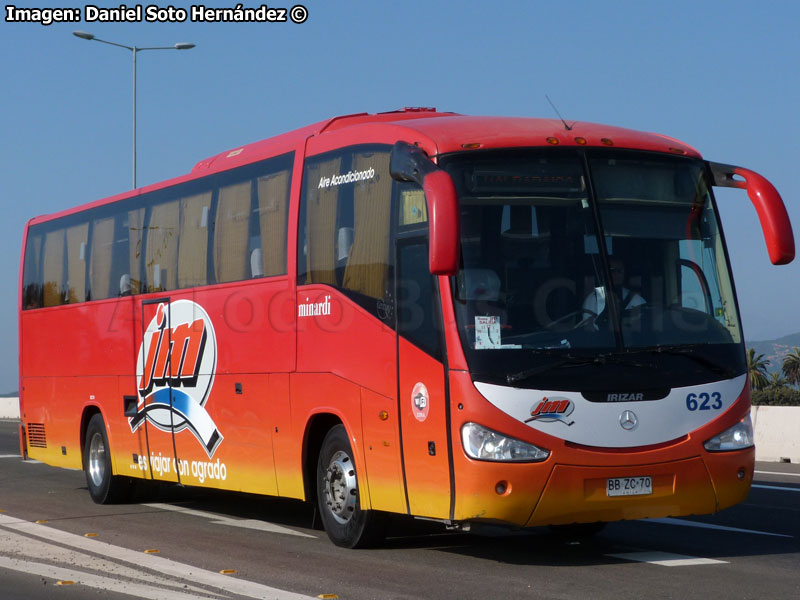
(579,254)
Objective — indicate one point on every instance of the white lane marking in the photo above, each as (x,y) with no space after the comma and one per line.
(775,487)
(682,523)
(164,566)
(220,520)
(138,590)
(777,473)
(667,559)
(30,461)
(20,546)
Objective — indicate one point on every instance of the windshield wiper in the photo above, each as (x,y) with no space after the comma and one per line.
(577,361)
(626,358)
(690,352)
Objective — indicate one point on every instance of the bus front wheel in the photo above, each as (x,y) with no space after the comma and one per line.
(104,486)
(346,523)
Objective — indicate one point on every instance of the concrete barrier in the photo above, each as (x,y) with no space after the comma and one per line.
(777,432)
(777,429)
(9,408)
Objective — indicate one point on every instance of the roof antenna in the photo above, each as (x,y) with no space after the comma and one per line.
(567,127)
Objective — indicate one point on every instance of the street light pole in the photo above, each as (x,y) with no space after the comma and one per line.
(134,50)
(134,117)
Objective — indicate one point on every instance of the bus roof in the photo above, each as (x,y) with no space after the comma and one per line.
(439,132)
(451,132)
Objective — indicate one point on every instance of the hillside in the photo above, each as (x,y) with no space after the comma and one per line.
(775,350)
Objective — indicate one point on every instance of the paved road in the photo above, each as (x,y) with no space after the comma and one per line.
(749,551)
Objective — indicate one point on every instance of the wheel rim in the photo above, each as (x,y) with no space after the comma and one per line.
(340,487)
(97,460)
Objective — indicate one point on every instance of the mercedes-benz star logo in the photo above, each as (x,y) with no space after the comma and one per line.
(628,420)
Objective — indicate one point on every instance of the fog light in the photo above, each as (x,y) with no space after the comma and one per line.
(740,474)
(501,488)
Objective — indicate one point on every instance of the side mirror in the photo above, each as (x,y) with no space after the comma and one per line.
(768,203)
(410,163)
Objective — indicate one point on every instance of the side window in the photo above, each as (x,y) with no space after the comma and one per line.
(419,314)
(77,246)
(345,225)
(251,210)
(232,232)
(317,254)
(418,308)
(135,223)
(193,240)
(161,252)
(367,267)
(413,210)
(32,275)
(100,259)
(53,269)
(120,275)
(272,209)
(114,262)
(221,228)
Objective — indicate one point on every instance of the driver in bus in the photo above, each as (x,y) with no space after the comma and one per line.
(595,303)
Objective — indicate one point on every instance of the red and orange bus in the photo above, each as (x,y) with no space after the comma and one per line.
(465,319)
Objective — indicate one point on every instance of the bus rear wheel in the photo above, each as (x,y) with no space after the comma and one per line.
(104,486)
(346,523)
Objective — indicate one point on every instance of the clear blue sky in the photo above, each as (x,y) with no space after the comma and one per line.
(722,76)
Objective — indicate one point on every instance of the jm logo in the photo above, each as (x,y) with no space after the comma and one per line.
(175,372)
(552,409)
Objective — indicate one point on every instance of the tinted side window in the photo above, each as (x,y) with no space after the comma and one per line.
(100,259)
(193,240)
(161,247)
(317,256)
(232,232)
(367,268)
(272,210)
(32,281)
(251,211)
(53,269)
(346,224)
(133,284)
(419,317)
(77,245)
(225,227)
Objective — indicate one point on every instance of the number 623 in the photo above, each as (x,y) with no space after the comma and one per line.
(704,401)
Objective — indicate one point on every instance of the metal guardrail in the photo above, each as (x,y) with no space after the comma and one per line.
(777,429)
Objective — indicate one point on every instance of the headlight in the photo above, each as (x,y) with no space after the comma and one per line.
(738,437)
(485,444)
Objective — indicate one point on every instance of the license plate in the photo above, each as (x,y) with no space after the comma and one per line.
(629,486)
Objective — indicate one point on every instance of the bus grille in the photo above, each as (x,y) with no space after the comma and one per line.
(36,435)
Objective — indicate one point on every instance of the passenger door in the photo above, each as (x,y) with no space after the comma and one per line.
(423,395)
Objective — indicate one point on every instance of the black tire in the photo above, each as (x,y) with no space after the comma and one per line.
(104,486)
(346,524)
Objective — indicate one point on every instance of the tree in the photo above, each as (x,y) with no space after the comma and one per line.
(784,396)
(791,366)
(776,381)
(757,367)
